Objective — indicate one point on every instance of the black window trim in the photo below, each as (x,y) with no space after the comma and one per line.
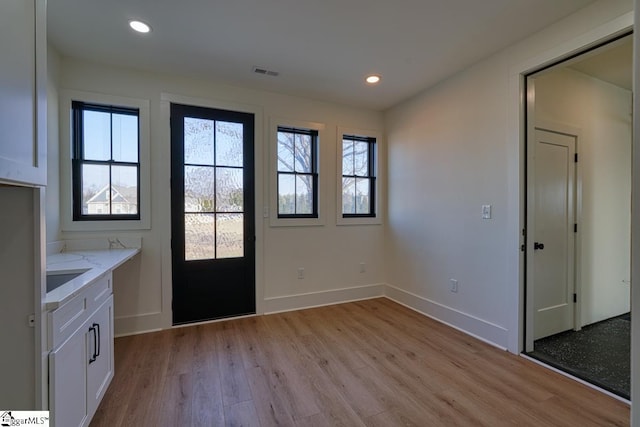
(371,174)
(77,149)
(314,170)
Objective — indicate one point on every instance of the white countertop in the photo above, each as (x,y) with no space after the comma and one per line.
(96,262)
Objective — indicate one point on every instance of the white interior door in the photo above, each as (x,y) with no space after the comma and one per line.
(553,235)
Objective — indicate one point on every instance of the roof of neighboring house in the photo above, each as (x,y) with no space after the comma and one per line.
(119,195)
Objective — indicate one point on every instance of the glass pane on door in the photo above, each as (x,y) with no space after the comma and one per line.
(199,236)
(229,190)
(199,188)
(229,235)
(198,141)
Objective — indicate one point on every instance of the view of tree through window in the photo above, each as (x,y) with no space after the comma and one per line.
(106,168)
(358,176)
(297,173)
(213,189)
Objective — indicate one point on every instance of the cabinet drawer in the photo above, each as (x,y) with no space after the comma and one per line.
(98,291)
(66,320)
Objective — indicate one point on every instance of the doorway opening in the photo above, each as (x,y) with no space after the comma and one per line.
(578,233)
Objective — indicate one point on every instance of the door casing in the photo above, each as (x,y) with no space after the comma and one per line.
(250,235)
(164,206)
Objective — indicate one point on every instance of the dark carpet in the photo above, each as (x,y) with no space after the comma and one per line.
(599,353)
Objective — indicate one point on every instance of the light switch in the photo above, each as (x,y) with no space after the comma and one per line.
(486,211)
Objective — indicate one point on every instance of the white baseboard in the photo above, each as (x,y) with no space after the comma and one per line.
(137,324)
(478,328)
(471,325)
(318,299)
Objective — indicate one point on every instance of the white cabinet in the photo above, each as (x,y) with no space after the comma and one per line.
(23,90)
(100,368)
(81,360)
(67,381)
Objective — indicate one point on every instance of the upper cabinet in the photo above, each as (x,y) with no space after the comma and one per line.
(23,91)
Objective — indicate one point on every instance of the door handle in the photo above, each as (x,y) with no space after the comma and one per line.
(97,327)
(537,246)
(95,338)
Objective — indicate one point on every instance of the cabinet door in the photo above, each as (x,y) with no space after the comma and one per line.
(23,157)
(67,381)
(100,370)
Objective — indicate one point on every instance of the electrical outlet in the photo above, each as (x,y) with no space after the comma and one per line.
(453,285)
(301,273)
(363,267)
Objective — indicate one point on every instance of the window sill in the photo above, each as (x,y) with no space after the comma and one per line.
(340,220)
(119,225)
(296,222)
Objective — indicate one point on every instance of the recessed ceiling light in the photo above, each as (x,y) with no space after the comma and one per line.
(140,26)
(373,79)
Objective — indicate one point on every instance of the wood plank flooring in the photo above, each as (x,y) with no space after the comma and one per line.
(367,363)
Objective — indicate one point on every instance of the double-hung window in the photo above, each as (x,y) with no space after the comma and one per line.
(105,162)
(297,178)
(358,176)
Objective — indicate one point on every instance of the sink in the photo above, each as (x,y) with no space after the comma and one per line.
(59,278)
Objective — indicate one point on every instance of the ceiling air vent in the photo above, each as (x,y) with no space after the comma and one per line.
(264,71)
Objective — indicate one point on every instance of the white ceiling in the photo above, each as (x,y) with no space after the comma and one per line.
(322,48)
(612,63)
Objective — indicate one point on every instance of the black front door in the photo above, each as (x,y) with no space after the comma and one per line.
(212,213)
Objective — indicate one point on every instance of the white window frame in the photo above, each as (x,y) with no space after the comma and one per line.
(66,146)
(274,221)
(379,196)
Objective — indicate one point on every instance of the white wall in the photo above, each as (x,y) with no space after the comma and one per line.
(453,148)
(602,113)
(53,150)
(330,254)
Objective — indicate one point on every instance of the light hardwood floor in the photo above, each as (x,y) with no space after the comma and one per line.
(367,363)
